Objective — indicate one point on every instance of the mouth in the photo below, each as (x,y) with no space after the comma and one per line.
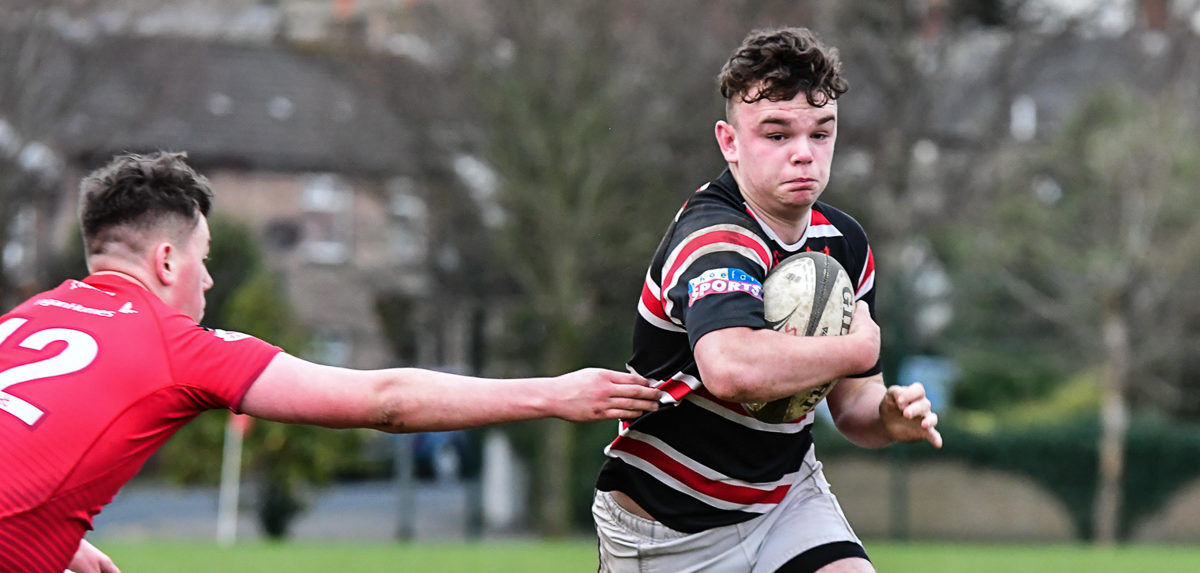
(801,182)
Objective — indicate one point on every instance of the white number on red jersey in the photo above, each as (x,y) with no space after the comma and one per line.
(80,351)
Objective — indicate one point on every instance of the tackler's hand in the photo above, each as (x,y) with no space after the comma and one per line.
(595,394)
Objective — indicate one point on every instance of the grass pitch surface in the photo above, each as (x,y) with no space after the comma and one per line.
(580,556)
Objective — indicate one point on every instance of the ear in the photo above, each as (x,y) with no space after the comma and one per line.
(727,140)
(164,264)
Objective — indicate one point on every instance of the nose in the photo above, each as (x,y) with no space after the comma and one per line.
(801,151)
(207,282)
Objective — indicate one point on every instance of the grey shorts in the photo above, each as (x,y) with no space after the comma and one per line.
(808,516)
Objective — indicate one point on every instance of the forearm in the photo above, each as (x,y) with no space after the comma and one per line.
(872,415)
(394,400)
(745,365)
(413,400)
(854,404)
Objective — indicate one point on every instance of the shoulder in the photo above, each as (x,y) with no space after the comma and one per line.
(837,217)
(844,224)
(718,202)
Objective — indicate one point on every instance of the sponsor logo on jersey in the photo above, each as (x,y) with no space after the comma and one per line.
(74,306)
(80,284)
(723,281)
(127,308)
(229,335)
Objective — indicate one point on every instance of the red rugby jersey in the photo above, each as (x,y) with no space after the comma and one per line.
(94,376)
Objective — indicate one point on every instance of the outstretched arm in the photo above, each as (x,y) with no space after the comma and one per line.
(414,400)
(88,559)
(872,415)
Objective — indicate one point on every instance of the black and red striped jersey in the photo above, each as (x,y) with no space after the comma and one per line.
(702,462)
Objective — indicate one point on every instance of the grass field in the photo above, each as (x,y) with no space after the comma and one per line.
(580,556)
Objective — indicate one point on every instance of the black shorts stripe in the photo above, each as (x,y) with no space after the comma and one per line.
(817,557)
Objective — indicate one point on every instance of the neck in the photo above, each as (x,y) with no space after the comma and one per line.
(131,278)
(788,230)
(788,223)
(137,270)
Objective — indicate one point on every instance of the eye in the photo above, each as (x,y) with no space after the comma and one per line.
(776,136)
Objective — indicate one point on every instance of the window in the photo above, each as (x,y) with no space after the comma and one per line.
(331,347)
(326,201)
(408,216)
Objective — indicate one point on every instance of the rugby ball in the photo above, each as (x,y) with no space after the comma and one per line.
(808,294)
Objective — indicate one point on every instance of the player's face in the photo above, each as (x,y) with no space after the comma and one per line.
(780,153)
(192,278)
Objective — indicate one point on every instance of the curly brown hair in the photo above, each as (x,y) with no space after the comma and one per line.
(777,64)
(134,193)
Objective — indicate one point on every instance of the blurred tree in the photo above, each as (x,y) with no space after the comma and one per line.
(234,259)
(247,297)
(48,72)
(909,148)
(1095,238)
(578,105)
(33,104)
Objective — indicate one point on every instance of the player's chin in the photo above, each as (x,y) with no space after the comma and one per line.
(800,204)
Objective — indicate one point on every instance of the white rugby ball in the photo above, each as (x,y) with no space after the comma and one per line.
(808,294)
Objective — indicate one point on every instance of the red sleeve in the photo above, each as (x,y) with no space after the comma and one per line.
(219,364)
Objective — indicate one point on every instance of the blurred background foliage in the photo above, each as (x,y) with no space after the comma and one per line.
(280,459)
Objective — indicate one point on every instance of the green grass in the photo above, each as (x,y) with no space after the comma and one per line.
(311,557)
(570,556)
(1006,558)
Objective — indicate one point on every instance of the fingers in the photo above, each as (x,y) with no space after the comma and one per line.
(917,409)
(631,386)
(620,395)
(934,437)
(618,414)
(623,409)
(910,400)
(639,392)
(626,378)
(89,559)
(861,318)
(862,308)
(914,406)
(638,405)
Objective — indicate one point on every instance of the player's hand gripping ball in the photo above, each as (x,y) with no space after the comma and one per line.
(808,294)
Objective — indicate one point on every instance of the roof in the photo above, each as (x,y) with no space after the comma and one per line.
(962,98)
(262,107)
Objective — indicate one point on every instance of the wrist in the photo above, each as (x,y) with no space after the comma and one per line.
(540,394)
(864,353)
(887,415)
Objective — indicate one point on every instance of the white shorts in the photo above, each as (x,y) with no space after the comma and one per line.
(808,516)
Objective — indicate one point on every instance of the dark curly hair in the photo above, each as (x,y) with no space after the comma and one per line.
(135,193)
(778,64)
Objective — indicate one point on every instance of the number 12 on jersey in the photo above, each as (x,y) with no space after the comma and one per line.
(80,351)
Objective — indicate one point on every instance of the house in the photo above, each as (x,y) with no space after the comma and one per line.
(326,162)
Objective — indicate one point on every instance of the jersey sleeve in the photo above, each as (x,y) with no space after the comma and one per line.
(219,365)
(862,273)
(712,276)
